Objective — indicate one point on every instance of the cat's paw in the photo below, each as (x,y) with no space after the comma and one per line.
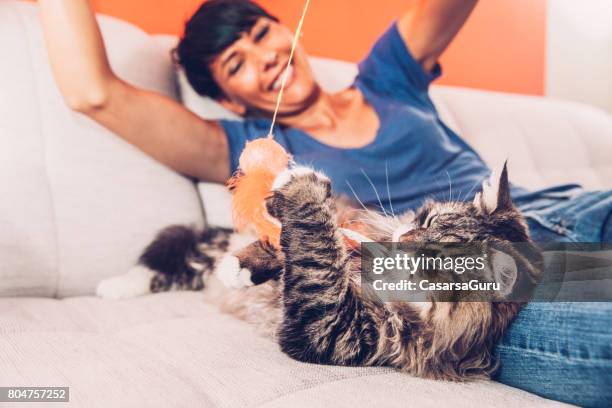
(305,174)
(229,272)
(136,282)
(297,187)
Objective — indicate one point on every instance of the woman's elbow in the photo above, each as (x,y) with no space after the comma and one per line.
(92,100)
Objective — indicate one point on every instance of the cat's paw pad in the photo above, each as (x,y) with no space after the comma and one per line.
(136,282)
(229,272)
(299,172)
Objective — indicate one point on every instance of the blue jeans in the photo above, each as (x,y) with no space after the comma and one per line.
(563,351)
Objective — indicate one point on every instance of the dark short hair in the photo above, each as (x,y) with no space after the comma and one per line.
(216,25)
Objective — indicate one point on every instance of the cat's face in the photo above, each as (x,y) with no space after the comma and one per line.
(491,214)
(492,223)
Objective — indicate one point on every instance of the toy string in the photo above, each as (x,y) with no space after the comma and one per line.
(298,30)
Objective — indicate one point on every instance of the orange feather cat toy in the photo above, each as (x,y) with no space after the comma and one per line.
(260,162)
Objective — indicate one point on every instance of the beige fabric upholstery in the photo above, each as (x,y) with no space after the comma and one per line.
(546,141)
(77,203)
(174,350)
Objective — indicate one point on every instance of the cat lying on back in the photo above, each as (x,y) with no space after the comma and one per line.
(308,296)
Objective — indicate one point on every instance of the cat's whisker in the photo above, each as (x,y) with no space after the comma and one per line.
(379,225)
(375,191)
(459,195)
(354,235)
(439,184)
(357,198)
(388,189)
(382,226)
(450,186)
(471,189)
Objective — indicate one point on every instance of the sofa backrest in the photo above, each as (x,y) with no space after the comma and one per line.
(77,203)
(546,141)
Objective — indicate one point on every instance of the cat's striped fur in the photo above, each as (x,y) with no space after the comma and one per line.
(308,295)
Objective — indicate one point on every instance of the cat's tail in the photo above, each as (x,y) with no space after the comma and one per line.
(179,258)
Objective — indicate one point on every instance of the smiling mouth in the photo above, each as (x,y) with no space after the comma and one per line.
(276,85)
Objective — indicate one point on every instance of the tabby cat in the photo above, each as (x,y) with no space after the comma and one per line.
(308,296)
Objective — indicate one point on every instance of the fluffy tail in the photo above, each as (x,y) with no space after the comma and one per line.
(183,257)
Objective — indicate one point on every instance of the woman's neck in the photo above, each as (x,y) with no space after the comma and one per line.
(343,119)
(323,113)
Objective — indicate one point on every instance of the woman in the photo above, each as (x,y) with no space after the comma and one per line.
(382,132)
(235,52)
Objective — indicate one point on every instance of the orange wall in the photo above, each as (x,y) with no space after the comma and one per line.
(501,47)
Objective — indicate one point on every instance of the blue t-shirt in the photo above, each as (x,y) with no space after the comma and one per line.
(414,153)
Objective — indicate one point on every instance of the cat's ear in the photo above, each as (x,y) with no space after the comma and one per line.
(504,271)
(504,199)
(495,193)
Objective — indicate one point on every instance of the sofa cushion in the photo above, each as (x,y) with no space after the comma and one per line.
(77,203)
(173,349)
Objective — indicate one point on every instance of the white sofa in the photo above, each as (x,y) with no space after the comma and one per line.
(77,204)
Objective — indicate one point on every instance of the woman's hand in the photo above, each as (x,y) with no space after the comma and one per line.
(157,125)
(430,25)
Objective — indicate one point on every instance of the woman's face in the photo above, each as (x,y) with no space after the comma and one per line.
(250,71)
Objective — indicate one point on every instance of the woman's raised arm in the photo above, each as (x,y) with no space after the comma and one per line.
(158,125)
(430,25)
